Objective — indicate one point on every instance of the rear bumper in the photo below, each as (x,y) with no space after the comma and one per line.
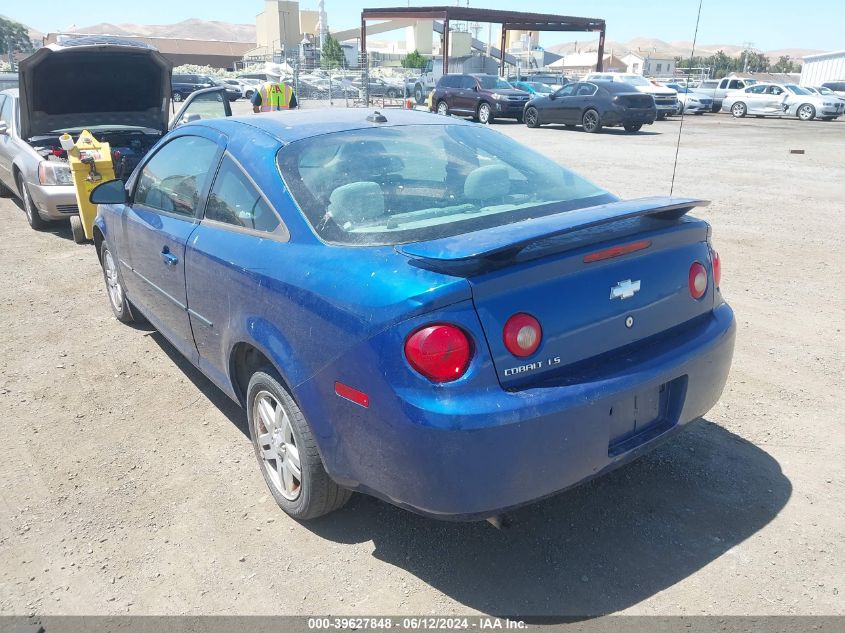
(629,116)
(478,456)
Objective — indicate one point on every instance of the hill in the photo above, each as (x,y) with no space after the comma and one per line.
(187,29)
(674,49)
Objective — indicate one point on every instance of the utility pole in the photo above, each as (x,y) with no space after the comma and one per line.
(748,46)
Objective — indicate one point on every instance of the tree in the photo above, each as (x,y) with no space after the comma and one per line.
(13,37)
(332,54)
(784,65)
(414,60)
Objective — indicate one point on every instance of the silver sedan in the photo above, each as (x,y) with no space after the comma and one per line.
(32,173)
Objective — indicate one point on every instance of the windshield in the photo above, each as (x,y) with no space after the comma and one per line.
(489,82)
(541,88)
(797,90)
(825,91)
(394,185)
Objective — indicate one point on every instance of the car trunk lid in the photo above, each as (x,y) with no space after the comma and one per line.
(86,85)
(597,280)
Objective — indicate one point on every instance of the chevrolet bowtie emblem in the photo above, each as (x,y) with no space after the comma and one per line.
(625,289)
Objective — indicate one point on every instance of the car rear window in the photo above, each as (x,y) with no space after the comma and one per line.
(394,185)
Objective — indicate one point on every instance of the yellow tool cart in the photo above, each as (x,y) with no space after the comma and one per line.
(90,164)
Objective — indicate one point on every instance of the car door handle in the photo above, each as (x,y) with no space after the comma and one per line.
(169,258)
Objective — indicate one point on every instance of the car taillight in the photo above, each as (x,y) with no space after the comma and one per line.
(522,335)
(717,268)
(439,352)
(697,280)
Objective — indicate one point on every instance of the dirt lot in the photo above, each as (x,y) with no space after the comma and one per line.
(128,484)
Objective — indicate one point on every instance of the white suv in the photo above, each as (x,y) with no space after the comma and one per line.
(665,98)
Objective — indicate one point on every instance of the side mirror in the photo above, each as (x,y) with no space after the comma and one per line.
(109,192)
(552,96)
(4,128)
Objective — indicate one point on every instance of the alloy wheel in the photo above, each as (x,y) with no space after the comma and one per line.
(278,445)
(484,113)
(113,286)
(442,108)
(806,112)
(591,121)
(531,117)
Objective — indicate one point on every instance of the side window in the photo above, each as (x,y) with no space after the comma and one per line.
(586,90)
(567,91)
(756,90)
(467,83)
(235,200)
(173,180)
(775,90)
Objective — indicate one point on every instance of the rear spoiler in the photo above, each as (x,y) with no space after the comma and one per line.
(501,242)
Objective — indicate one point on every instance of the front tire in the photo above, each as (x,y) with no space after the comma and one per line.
(286,451)
(806,112)
(633,127)
(739,109)
(36,222)
(177,97)
(442,108)
(114,286)
(591,121)
(485,113)
(532,117)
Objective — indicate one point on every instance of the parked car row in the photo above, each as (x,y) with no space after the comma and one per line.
(790,100)
(592,104)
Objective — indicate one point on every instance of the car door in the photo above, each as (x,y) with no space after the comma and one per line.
(169,194)
(208,103)
(6,144)
(755,99)
(238,234)
(464,94)
(775,97)
(564,108)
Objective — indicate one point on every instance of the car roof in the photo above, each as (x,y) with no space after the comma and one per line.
(296,125)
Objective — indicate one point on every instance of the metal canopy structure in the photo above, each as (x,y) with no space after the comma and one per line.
(508,20)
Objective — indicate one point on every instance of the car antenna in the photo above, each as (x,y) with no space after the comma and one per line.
(684,111)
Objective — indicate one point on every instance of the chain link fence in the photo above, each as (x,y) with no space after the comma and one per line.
(318,87)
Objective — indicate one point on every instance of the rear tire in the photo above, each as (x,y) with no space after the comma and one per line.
(177,97)
(532,117)
(591,121)
(36,222)
(739,109)
(418,94)
(286,451)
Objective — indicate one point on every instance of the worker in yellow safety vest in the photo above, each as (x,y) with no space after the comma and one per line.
(273,96)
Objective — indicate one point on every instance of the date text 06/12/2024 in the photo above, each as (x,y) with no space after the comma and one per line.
(415,623)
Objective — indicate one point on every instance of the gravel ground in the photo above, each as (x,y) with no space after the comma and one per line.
(128,484)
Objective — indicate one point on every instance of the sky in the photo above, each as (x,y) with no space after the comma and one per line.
(767,24)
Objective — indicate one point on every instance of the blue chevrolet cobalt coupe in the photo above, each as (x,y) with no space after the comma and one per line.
(417,307)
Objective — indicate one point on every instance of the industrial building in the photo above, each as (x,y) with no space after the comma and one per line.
(823,67)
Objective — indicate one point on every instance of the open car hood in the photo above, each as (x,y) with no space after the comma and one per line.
(83,85)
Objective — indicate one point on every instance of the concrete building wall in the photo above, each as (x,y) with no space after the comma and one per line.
(308,22)
(658,67)
(419,37)
(513,39)
(818,69)
(278,25)
(460,44)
